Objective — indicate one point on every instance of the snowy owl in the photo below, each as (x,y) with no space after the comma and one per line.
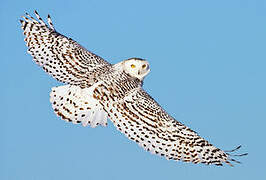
(97,90)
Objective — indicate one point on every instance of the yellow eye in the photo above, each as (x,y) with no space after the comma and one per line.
(133,66)
(143,66)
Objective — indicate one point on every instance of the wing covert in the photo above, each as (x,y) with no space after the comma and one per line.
(60,56)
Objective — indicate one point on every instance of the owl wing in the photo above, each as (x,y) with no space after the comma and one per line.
(143,120)
(60,56)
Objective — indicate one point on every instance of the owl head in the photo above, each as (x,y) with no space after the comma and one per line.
(136,67)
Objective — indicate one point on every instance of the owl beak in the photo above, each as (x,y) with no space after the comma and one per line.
(148,67)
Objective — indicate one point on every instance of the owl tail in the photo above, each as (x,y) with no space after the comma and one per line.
(77,105)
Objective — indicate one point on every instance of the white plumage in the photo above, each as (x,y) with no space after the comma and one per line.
(97,89)
(77,105)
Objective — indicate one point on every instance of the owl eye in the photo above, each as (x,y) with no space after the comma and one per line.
(133,66)
(144,66)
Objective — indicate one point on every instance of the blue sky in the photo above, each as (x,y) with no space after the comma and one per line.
(207,64)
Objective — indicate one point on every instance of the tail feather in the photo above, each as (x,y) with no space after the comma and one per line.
(76,105)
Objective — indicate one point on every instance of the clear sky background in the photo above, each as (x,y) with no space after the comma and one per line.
(207,63)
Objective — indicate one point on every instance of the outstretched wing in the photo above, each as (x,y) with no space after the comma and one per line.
(142,120)
(61,57)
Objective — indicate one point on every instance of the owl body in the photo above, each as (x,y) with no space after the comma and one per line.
(97,90)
